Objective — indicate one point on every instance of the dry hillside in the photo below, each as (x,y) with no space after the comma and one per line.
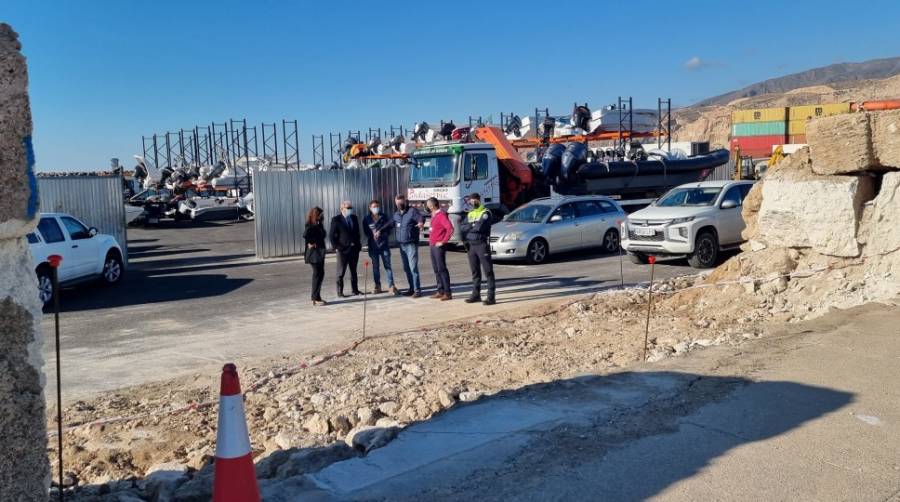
(713,123)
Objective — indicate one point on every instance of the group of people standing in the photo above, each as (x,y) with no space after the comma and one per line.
(344,234)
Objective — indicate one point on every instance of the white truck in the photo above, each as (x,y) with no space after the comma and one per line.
(696,220)
(86,254)
(491,166)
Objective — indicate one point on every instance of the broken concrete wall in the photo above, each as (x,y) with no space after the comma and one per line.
(24,469)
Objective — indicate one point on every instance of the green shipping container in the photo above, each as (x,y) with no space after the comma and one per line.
(757,129)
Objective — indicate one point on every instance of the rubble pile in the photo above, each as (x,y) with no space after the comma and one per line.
(822,228)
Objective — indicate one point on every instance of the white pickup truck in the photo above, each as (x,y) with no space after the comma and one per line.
(85,253)
(696,220)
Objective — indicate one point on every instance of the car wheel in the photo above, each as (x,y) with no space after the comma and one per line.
(45,285)
(706,251)
(112,268)
(638,258)
(611,241)
(538,251)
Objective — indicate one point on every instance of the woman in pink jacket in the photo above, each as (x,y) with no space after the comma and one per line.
(441,231)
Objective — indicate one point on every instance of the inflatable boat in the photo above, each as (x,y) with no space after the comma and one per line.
(569,170)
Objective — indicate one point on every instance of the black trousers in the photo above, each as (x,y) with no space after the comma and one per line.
(345,260)
(318,275)
(439,264)
(480,259)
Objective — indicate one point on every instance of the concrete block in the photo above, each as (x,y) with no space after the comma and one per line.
(841,144)
(886,138)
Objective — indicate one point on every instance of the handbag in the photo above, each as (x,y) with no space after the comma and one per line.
(314,256)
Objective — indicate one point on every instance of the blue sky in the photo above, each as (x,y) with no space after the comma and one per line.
(104,73)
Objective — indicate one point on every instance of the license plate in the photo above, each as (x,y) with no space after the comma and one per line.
(645,232)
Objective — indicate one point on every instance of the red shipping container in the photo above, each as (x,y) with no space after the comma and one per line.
(797,139)
(756,143)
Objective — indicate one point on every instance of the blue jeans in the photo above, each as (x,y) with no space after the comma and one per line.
(409,254)
(384,255)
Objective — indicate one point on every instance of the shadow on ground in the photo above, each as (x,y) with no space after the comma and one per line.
(624,436)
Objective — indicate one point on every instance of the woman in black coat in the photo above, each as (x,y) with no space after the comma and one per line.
(314,235)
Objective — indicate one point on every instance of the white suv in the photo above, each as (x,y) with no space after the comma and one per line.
(696,220)
(85,253)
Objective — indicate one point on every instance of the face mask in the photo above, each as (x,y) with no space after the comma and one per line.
(376,210)
(347,212)
(476,204)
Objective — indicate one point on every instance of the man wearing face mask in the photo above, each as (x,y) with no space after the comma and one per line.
(344,237)
(377,228)
(476,232)
(409,221)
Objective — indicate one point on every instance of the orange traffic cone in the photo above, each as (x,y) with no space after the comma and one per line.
(235,477)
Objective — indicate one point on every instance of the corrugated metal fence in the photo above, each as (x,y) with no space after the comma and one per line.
(282,198)
(723,172)
(95,200)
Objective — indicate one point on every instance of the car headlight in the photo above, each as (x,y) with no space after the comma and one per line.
(682,220)
(512,237)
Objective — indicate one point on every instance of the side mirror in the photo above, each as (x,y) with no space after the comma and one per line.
(92,231)
(555,218)
(728,204)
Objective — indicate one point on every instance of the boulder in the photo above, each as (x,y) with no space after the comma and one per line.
(841,144)
(886,138)
(317,424)
(801,209)
(310,460)
(882,226)
(366,438)
(750,211)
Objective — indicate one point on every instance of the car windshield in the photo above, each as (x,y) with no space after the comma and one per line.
(693,196)
(534,213)
(438,170)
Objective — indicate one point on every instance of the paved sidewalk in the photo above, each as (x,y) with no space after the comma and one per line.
(811,414)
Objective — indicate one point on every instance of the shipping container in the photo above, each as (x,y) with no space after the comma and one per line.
(796,127)
(759,115)
(757,129)
(809,111)
(797,139)
(756,144)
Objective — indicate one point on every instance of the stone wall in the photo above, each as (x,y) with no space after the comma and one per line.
(24,469)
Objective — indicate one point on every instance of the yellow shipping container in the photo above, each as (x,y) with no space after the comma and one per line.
(796,127)
(809,111)
(758,115)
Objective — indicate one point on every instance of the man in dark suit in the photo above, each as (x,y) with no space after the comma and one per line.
(344,237)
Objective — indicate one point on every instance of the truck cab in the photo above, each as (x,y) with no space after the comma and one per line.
(450,172)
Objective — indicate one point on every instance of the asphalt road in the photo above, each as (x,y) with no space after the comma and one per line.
(195,296)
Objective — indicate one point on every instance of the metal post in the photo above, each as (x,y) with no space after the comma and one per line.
(365,296)
(652,260)
(621,266)
(54,267)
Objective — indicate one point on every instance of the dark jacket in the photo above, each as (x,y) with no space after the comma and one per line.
(407,224)
(476,227)
(344,238)
(383,225)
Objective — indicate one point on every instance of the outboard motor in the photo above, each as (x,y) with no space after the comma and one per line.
(551,162)
(447,130)
(581,117)
(164,174)
(373,144)
(348,144)
(574,156)
(419,131)
(215,172)
(140,173)
(397,143)
(514,126)
(636,151)
(547,128)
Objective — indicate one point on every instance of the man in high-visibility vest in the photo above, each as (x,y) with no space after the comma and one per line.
(476,232)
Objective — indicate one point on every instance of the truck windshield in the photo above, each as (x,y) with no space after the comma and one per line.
(532,213)
(438,170)
(694,196)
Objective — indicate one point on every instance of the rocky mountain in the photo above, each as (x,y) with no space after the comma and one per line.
(836,75)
